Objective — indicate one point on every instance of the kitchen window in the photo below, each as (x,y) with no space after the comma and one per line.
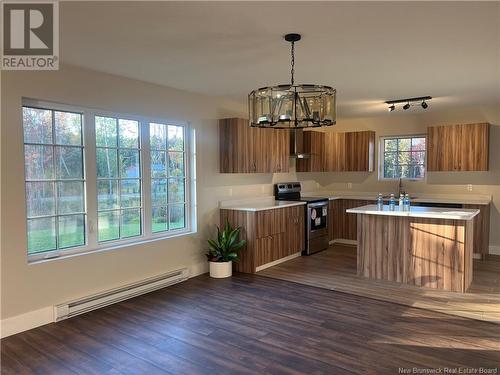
(402,157)
(96,180)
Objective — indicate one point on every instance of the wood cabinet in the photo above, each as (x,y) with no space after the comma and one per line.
(481,228)
(458,147)
(270,234)
(252,150)
(314,145)
(359,151)
(426,252)
(338,152)
(342,225)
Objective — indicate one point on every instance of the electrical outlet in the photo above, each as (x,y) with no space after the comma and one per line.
(469,187)
(349,185)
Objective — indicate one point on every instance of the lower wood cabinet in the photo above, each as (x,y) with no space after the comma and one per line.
(342,225)
(270,234)
(481,228)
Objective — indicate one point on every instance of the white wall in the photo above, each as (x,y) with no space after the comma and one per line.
(28,287)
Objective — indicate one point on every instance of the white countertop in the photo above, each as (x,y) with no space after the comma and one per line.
(257,204)
(418,211)
(417,197)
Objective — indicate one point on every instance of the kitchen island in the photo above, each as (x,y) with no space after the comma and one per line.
(425,246)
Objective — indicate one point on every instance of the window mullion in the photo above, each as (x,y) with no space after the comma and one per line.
(91,177)
(147,210)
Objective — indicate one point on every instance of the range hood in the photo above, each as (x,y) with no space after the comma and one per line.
(297,144)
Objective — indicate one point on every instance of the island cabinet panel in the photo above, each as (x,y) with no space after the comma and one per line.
(252,150)
(314,145)
(383,250)
(458,147)
(431,253)
(481,228)
(270,234)
(342,225)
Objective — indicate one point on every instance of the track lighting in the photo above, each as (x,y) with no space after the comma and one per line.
(422,100)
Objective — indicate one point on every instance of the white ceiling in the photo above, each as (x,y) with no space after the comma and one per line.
(369,51)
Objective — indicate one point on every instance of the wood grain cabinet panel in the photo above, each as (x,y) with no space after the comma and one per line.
(359,151)
(338,152)
(342,225)
(314,145)
(270,234)
(458,147)
(252,150)
(481,228)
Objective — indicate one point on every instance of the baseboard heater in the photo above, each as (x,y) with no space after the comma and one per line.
(96,301)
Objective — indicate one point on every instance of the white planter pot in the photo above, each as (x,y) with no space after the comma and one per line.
(220,270)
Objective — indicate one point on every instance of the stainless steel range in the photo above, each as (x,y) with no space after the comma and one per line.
(316,215)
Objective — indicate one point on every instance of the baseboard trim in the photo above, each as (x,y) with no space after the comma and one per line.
(27,321)
(495,250)
(24,322)
(270,264)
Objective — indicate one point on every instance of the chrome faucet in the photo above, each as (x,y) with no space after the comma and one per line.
(400,187)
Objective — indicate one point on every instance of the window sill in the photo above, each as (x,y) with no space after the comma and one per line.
(65,254)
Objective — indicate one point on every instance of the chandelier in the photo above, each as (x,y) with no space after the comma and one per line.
(292,106)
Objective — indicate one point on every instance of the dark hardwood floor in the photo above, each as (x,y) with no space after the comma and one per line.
(250,324)
(335,269)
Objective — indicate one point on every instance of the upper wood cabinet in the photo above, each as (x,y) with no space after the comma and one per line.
(338,152)
(458,147)
(314,145)
(252,150)
(359,151)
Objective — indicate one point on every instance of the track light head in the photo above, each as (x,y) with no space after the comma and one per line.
(391,108)
(406,106)
(424,105)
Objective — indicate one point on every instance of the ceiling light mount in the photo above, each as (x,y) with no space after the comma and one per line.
(409,102)
(292,106)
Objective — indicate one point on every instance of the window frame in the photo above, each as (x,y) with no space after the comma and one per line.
(381,152)
(90,172)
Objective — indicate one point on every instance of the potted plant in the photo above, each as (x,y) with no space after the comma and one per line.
(223,251)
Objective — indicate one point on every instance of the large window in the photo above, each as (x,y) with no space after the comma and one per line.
(402,157)
(118,178)
(96,180)
(168,191)
(55,183)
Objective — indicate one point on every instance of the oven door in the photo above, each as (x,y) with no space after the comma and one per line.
(317,216)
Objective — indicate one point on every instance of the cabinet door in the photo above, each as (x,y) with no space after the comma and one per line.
(270,248)
(269,222)
(236,144)
(335,152)
(276,149)
(359,151)
(314,144)
(474,142)
(458,147)
(295,233)
(344,225)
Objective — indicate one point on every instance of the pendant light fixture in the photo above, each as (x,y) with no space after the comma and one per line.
(292,106)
